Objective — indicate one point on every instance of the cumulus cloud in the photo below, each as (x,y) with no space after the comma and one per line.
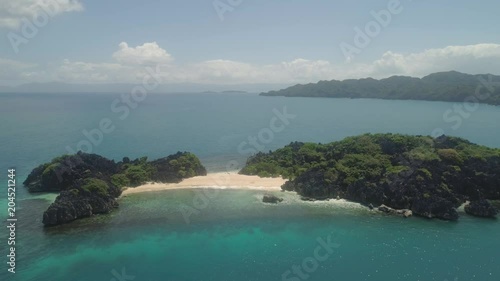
(148,53)
(478,58)
(130,64)
(12,12)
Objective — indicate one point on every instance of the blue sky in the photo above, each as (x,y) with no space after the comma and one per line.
(261,36)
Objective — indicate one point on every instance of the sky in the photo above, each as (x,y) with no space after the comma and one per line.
(244,41)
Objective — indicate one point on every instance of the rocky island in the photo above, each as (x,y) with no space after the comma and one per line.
(429,176)
(89,184)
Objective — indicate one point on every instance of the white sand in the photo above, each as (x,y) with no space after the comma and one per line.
(214,180)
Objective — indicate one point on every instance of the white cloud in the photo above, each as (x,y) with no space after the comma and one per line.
(14,70)
(480,58)
(130,64)
(84,72)
(12,12)
(148,53)
(302,69)
(218,71)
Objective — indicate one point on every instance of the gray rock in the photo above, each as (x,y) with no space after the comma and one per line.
(481,208)
(271,199)
(388,210)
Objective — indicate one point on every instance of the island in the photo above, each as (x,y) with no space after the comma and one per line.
(393,173)
(431,177)
(443,86)
(89,184)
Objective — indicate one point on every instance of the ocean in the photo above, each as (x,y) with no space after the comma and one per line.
(231,234)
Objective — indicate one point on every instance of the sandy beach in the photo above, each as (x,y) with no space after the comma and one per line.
(214,180)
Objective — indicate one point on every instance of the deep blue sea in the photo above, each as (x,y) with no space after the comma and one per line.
(233,236)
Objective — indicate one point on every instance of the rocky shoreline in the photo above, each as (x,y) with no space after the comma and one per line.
(90,184)
(431,177)
(401,175)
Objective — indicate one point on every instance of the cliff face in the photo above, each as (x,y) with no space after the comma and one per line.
(71,205)
(481,208)
(89,184)
(429,176)
(62,172)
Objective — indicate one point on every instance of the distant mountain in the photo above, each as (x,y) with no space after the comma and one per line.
(443,86)
(57,87)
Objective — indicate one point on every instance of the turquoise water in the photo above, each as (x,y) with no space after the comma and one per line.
(232,235)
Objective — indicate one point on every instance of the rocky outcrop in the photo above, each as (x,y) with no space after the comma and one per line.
(429,176)
(481,208)
(388,210)
(435,208)
(69,206)
(268,198)
(62,172)
(89,184)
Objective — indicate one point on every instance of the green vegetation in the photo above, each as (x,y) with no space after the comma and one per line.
(89,184)
(93,185)
(170,169)
(391,169)
(50,170)
(62,172)
(449,155)
(120,180)
(444,86)
(365,156)
(136,172)
(137,175)
(185,165)
(176,167)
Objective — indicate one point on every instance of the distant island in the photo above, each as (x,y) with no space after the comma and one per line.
(89,184)
(444,86)
(399,173)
